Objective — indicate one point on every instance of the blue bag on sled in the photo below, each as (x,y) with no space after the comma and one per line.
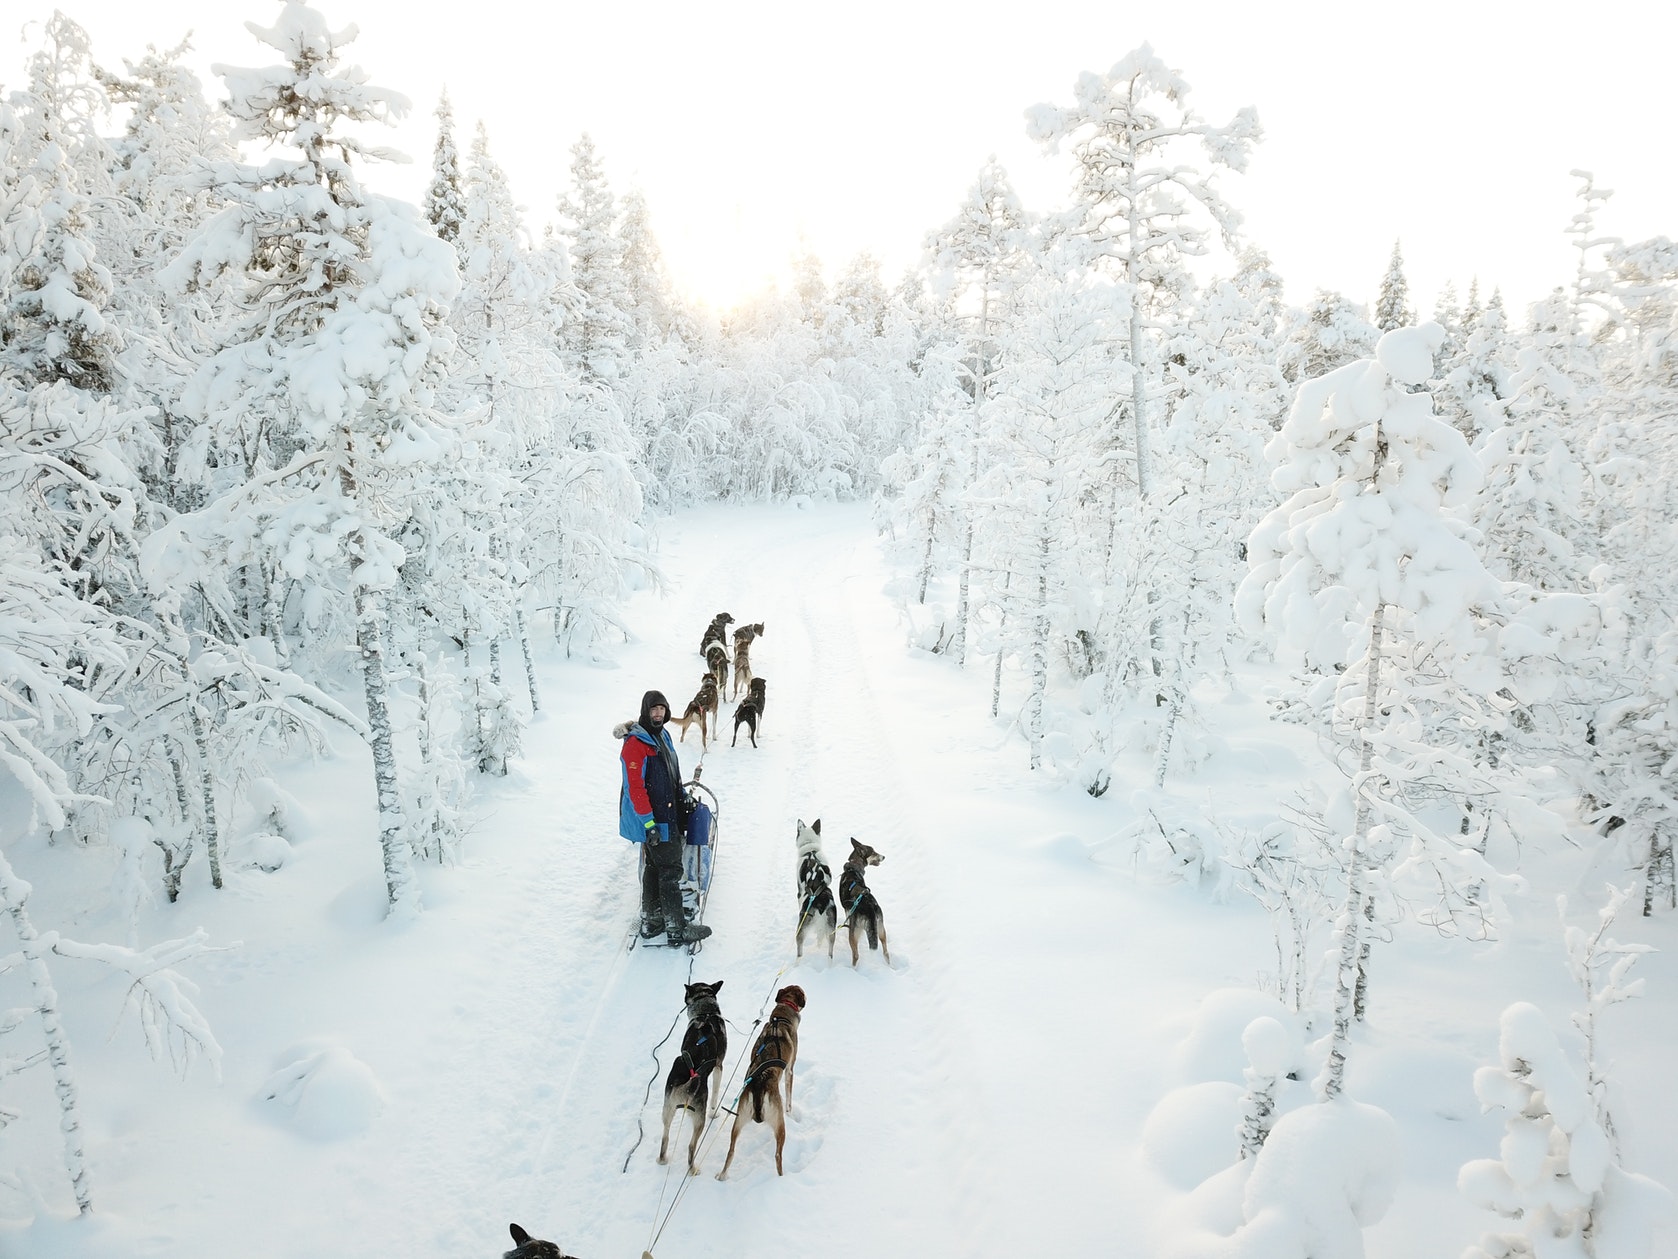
(696,854)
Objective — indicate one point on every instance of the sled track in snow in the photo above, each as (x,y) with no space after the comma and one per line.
(824,753)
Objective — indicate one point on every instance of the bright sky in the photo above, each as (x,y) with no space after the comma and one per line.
(749,126)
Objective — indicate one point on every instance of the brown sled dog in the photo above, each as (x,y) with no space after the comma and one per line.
(704,703)
(862,911)
(773,1054)
(743,658)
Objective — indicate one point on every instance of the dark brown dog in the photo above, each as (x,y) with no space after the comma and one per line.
(749,713)
(527,1247)
(716,632)
(695,1080)
(773,1054)
(862,911)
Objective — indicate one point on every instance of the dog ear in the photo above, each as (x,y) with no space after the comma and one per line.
(519,1235)
(716,987)
(816,826)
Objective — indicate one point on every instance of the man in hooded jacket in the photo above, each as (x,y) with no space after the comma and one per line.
(649,814)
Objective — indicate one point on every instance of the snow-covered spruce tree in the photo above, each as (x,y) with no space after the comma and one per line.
(1366,558)
(329,359)
(1591,286)
(597,340)
(1052,393)
(52,323)
(1644,280)
(1220,386)
(982,256)
(510,385)
(1474,377)
(1392,304)
(445,202)
(170,131)
(1559,1174)
(1533,509)
(652,306)
(1633,738)
(1141,208)
(1327,333)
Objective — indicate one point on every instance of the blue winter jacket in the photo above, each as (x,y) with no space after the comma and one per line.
(645,775)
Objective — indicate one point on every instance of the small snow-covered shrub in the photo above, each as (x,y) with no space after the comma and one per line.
(326,1091)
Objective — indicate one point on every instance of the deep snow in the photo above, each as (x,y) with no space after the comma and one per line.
(1052,1065)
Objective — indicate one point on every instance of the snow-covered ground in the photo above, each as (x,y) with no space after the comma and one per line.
(1050,1065)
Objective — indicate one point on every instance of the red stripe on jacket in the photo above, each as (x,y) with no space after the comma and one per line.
(634,755)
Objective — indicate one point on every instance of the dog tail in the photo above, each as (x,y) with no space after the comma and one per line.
(872,922)
(757,1101)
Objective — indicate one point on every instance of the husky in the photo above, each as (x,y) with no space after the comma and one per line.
(695,1080)
(773,1054)
(716,661)
(716,632)
(816,907)
(743,658)
(748,713)
(527,1247)
(862,911)
(703,705)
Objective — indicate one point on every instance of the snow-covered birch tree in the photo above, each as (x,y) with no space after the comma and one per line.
(330,360)
(1365,559)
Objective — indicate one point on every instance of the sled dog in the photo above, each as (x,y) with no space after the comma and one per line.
(862,911)
(749,713)
(695,1080)
(817,910)
(743,658)
(716,660)
(773,1054)
(703,705)
(716,632)
(527,1247)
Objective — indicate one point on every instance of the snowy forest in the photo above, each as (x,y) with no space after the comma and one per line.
(285,461)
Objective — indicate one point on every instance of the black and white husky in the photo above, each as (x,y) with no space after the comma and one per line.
(862,911)
(816,908)
(695,1079)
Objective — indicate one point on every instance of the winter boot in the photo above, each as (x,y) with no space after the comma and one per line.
(652,926)
(687,933)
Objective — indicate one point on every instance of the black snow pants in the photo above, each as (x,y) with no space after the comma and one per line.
(661,882)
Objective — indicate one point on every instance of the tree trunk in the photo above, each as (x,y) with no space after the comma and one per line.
(207,785)
(1350,925)
(529,664)
(1002,624)
(958,644)
(401,889)
(926,558)
(1040,653)
(13,893)
(175,862)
